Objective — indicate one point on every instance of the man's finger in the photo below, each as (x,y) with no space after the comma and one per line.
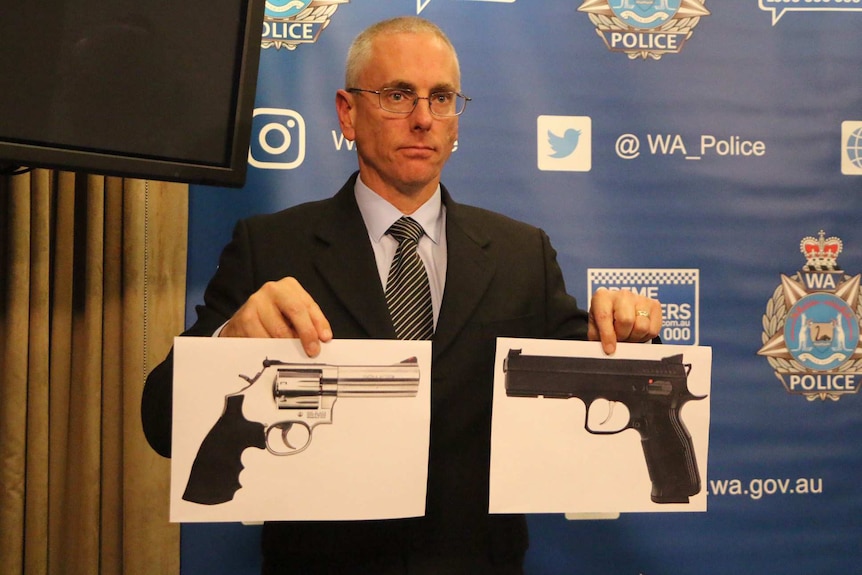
(302,315)
(602,320)
(648,320)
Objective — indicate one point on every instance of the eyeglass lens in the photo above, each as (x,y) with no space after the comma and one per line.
(403,101)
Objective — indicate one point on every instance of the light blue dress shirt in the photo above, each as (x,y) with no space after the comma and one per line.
(379,215)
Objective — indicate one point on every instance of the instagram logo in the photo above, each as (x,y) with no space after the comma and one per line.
(277,139)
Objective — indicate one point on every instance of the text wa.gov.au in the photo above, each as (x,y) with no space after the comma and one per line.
(758,488)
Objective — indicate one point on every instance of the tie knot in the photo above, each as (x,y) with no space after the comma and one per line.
(406,228)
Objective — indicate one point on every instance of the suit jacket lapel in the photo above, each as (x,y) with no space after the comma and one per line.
(348,265)
(469,271)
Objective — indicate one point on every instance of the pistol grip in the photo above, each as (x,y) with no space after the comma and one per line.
(214,477)
(669,457)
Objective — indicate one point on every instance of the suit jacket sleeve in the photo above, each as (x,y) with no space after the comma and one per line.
(565,319)
(226,292)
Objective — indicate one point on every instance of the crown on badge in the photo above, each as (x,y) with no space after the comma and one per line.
(821,253)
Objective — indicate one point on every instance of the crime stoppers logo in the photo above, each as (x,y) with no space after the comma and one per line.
(289,23)
(645,28)
(811,325)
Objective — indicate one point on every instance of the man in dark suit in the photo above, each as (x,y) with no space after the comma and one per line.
(320,269)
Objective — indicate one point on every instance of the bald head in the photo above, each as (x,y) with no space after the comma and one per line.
(360,52)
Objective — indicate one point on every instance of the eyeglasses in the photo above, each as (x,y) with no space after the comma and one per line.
(403,101)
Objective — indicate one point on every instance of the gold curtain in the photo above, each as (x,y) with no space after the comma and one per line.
(92,290)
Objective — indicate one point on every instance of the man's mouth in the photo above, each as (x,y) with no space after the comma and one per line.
(418,149)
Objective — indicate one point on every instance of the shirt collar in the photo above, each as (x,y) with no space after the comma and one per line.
(379,214)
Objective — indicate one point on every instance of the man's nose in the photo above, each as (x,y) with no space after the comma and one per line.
(421,115)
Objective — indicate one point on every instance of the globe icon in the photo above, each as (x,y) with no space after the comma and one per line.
(854,147)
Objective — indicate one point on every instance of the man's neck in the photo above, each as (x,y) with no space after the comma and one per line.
(406,200)
(378,213)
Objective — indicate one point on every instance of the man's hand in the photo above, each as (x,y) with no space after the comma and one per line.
(622,316)
(281,309)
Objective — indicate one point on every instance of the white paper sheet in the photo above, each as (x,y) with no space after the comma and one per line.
(543,460)
(371,462)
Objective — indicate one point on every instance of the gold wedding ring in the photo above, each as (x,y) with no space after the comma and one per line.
(643,313)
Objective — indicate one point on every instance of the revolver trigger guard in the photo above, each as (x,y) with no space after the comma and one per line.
(285,427)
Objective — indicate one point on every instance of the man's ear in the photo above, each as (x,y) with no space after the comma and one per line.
(344,106)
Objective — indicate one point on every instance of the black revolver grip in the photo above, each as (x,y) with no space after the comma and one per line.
(215,472)
(669,456)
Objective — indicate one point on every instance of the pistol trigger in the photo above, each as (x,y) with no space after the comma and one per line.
(611,405)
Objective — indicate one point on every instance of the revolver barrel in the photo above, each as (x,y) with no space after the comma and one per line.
(306,387)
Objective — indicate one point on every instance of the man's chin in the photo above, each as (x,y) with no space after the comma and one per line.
(419,174)
(412,179)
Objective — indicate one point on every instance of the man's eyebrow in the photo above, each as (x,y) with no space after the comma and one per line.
(444,88)
(405,85)
(401,85)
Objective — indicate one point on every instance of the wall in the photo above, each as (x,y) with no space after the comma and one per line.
(745,148)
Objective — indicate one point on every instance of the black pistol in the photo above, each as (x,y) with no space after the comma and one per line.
(653,391)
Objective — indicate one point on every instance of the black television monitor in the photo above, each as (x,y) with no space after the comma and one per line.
(158,89)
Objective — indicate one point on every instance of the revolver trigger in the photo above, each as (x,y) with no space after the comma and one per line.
(285,431)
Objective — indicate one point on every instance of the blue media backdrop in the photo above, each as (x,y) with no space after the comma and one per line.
(714,137)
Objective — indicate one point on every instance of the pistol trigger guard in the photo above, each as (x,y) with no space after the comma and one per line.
(598,430)
(285,427)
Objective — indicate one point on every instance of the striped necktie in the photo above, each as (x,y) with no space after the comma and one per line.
(408,293)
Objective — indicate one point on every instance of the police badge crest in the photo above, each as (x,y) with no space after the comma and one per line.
(289,23)
(645,28)
(811,325)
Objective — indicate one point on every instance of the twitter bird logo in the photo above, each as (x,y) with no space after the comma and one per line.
(564,145)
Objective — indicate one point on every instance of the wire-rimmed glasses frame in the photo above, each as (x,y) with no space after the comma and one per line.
(443,104)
